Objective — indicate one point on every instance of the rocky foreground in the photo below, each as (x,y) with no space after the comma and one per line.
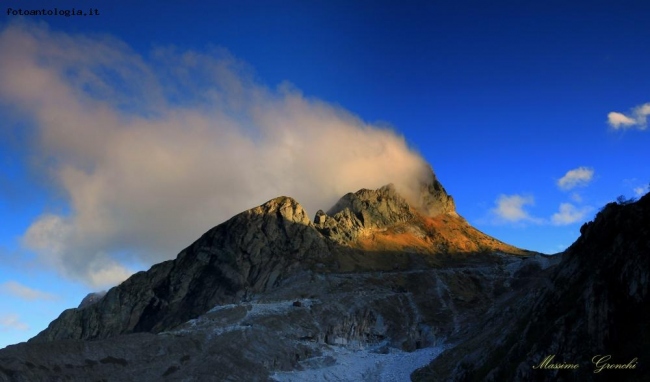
(371,290)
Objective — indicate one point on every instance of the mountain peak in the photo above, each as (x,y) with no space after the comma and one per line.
(432,198)
(283,208)
(91,298)
(356,214)
(380,207)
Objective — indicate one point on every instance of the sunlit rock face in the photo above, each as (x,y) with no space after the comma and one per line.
(596,301)
(269,291)
(359,213)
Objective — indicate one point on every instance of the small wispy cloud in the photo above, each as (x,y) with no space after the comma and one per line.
(580,176)
(642,190)
(576,197)
(11,322)
(511,209)
(569,214)
(618,120)
(636,118)
(19,290)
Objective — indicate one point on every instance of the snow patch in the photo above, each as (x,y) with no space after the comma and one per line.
(365,365)
(254,309)
(222,307)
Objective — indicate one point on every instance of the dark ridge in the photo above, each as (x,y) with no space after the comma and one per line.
(595,302)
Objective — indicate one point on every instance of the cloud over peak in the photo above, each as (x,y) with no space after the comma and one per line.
(636,118)
(150,152)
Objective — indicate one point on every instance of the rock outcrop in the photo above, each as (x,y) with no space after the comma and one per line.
(359,213)
(596,302)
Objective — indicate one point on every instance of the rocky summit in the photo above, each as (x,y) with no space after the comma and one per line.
(371,290)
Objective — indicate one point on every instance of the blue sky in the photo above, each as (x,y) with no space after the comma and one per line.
(124,136)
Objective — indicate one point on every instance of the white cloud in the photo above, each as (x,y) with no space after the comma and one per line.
(638,118)
(16,289)
(618,120)
(569,214)
(510,209)
(153,151)
(580,176)
(11,322)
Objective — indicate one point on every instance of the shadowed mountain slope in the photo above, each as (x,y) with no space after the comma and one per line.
(595,302)
(370,230)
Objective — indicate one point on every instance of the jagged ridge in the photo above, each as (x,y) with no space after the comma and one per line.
(253,251)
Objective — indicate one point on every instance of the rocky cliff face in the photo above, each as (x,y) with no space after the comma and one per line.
(595,302)
(270,291)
